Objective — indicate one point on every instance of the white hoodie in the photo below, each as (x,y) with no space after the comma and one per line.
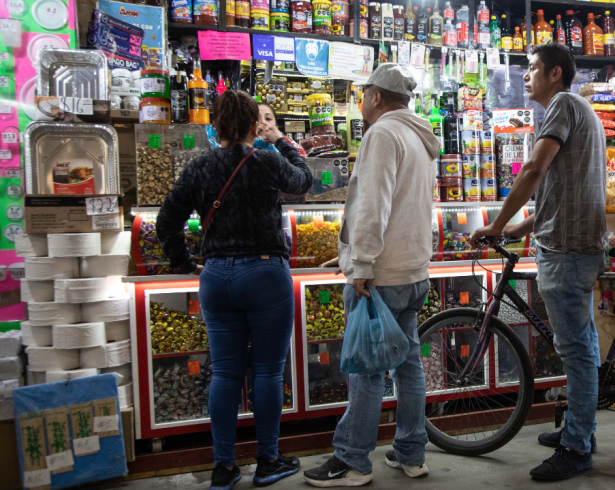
(386,230)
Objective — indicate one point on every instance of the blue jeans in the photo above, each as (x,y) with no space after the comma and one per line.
(566,282)
(357,432)
(246,300)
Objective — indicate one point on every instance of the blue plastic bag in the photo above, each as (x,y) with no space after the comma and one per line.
(373,342)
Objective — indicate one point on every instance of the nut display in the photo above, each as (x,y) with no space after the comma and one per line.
(176,331)
(155,173)
(433,305)
(181,159)
(316,242)
(324,312)
(431,358)
(537,304)
(326,393)
(518,248)
(287,397)
(179,395)
(337,195)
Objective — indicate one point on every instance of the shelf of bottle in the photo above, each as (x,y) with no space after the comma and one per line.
(580,60)
(577,3)
(179,354)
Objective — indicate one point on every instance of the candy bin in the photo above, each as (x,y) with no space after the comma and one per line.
(176,330)
(460,342)
(458,224)
(506,364)
(433,303)
(508,314)
(317,231)
(324,312)
(462,291)
(331,176)
(327,385)
(287,387)
(432,361)
(518,248)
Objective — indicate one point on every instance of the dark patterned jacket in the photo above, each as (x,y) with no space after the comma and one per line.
(249,221)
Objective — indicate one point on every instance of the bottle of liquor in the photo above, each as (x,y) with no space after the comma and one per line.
(436,25)
(507,37)
(409,23)
(422,26)
(210,90)
(197,89)
(451,128)
(179,98)
(354,124)
(437,121)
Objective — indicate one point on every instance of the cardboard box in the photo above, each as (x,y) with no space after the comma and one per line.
(511,120)
(128,165)
(128,427)
(68,214)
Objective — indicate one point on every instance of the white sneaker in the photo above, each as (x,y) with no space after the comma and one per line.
(411,471)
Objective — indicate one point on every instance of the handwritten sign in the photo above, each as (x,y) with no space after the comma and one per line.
(76,105)
(347,59)
(39,478)
(224,45)
(86,445)
(106,423)
(60,460)
(101,205)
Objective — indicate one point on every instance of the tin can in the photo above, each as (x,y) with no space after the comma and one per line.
(471,190)
(470,166)
(489,189)
(437,161)
(487,167)
(486,142)
(471,142)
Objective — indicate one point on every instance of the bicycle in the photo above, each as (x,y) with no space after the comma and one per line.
(492,412)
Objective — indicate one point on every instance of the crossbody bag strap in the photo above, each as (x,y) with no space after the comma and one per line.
(218,201)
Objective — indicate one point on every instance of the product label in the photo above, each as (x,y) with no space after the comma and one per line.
(242,10)
(154,113)
(544,37)
(198,98)
(230,8)
(525,36)
(388,27)
(561,36)
(206,7)
(181,10)
(598,41)
(321,116)
(449,14)
(436,28)
(484,38)
(517,44)
(179,105)
(507,43)
(483,16)
(409,22)
(471,190)
(74,177)
(398,34)
(322,16)
(157,85)
(376,26)
(300,20)
(450,38)
(576,36)
(463,32)
(436,128)
(356,131)
(609,39)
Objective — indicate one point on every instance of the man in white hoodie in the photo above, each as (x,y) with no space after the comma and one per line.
(385,241)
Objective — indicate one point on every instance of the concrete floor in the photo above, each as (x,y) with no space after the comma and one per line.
(507,467)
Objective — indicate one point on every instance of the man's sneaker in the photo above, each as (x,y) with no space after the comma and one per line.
(562,465)
(335,473)
(552,439)
(268,472)
(411,471)
(223,479)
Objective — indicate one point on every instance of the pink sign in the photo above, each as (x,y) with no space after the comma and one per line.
(516,166)
(224,45)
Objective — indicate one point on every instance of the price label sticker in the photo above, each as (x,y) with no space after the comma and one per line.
(86,445)
(194,368)
(13,174)
(462,218)
(471,65)
(52,12)
(77,105)
(465,350)
(8,25)
(106,423)
(427,300)
(154,141)
(324,358)
(319,221)
(327,178)
(59,460)
(426,350)
(10,138)
(4,82)
(4,56)
(513,284)
(324,298)
(516,167)
(106,221)
(101,205)
(493,58)
(194,308)
(6,154)
(189,141)
(464,298)
(6,108)
(417,55)
(40,478)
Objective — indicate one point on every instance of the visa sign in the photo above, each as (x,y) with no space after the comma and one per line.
(273,48)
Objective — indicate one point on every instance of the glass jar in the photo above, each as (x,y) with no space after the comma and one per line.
(451,189)
(155,83)
(205,12)
(339,27)
(230,12)
(340,10)
(320,114)
(322,17)
(260,19)
(242,13)
(451,166)
(156,110)
(301,12)
(280,21)
(363,28)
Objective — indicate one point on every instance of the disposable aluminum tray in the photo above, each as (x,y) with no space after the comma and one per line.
(72,73)
(71,159)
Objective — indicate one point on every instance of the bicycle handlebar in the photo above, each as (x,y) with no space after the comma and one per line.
(499,247)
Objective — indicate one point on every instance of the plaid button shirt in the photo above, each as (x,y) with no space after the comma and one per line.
(570,200)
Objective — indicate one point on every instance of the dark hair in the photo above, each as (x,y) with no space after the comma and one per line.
(235,113)
(390,97)
(275,115)
(555,54)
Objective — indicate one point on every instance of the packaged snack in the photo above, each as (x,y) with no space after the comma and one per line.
(606,98)
(595,88)
(472,121)
(605,115)
(512,152)
(603,107)
(608,123)
(512,120)
(470,98)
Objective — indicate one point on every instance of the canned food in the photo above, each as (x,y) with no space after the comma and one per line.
(471,166)
(471,142)
(487,167)
(489,189)
(486,142)
(471,190)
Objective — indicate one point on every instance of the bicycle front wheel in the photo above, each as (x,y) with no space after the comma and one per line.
(484,410)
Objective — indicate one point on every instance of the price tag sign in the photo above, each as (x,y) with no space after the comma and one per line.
(426,350)
(194,368)
(4,56)
(10,138)
(427,300)
(101,205)
(462,218)
(471,62)
(5,108)
(13,174)
(106,423)
(86,445)
(40,478)
(8,25)
(464,298)
(59,460)
(324,358)
(327,178)
(513,284)
(189,141)
(77,105)
(417,55)
(4,82)
(52,12)
(493,58)
(324,298)
(194,307)
(154,141)
(6,154)
(465,350)
(319,221)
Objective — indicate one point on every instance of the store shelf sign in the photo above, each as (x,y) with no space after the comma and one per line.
(465,350)
(324,298)
(324,358)
(464,298)
(312,57)
(346,58)
(215,45)
(273,48)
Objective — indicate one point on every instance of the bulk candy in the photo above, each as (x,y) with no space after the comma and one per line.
(324,312)
(176,331)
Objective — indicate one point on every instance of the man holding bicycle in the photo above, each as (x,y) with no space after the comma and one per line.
(567,171)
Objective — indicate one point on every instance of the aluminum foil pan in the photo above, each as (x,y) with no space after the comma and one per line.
(72,73)
(71,159)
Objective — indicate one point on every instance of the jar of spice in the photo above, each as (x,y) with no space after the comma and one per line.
(155,110)
(451,166)
(301,14)
(322,17)
(375,21)
(280,21)
(242,13)
(451,189)
(230,12)
(320,114)
(259,19)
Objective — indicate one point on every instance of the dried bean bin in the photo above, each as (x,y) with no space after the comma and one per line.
(163,152)
(330,179)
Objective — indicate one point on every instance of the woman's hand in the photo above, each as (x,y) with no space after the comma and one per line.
(271,134)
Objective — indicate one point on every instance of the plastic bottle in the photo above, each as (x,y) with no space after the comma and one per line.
(496,33)
(197,88)
(422,26)
(409,23)
(484,35)
(544,32)
(450,33)
(574,33)
(524,34)
(205,12)
(436,26)
(451,129)
(518,41)
(437,121)
(354,124)
(482,13)
(462,25)
(507,37)
(449,12)
(419,108)
(559,33)
(593,38)
(221,87)
(608,27)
